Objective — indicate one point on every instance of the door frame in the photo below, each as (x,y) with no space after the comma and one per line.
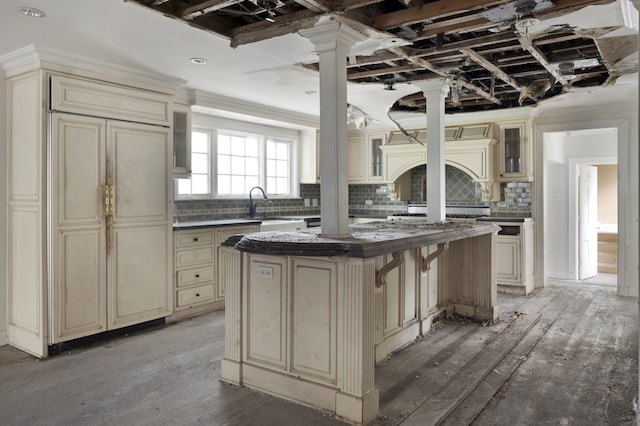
(623,162)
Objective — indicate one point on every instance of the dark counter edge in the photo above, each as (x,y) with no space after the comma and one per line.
(211,223)
(354,248)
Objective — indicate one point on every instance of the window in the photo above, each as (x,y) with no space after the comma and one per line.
(200,182)
(228,164)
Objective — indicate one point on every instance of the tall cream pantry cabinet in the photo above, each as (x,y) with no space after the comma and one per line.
(90,238)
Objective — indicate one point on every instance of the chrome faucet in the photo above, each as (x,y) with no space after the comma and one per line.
(254,204)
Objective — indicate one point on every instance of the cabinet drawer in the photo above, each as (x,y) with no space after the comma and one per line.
(195,276)
(201,237)
(191,296)
(223,233)
(200,256)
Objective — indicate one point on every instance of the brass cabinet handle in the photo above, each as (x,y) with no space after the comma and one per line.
(107,200)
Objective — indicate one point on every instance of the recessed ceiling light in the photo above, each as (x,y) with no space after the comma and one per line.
(198,61)
(32,12)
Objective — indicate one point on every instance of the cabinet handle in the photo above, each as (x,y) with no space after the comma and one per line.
(197,275)
(197,294)
(195,239)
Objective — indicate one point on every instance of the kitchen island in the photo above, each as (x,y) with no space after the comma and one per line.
(308,317)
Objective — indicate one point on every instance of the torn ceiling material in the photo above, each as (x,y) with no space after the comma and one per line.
(497,54)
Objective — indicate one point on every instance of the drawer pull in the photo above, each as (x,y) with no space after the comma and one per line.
(195,239)
(197,294)
(197,275)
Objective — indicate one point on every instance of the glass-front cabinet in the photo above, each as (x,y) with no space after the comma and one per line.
(515,156)
(365,158)
(181,141)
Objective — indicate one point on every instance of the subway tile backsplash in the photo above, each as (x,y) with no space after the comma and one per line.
(364,200)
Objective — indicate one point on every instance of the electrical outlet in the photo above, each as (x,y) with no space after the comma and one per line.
(265,272)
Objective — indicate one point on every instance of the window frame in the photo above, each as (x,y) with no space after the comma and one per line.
(263,134)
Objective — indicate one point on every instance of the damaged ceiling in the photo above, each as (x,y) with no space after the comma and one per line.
(496,54)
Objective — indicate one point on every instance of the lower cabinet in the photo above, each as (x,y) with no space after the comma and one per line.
(515,257)
(198,284)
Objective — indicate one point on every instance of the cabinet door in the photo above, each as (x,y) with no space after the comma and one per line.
(78,302)
(309,157)
(508,259)
(181,142)
(139,247)
(374,144)
(514,155)
(357,159)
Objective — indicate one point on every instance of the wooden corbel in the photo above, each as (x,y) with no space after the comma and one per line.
(426,261)
(381,275)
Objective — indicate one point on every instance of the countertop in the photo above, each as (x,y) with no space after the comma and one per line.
(366,240)
(218,222)
(504,219)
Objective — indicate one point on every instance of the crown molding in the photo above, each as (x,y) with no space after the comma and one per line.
(32,56)
(225,106)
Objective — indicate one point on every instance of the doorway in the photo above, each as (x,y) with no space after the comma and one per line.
(567,247)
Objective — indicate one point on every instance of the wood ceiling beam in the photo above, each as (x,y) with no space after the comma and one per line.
(475,22)
(318,6)
(285,24)
(434,69)
(205,7)
(528,46)
(428,12)
(345,5)
(490,67)
(382,71)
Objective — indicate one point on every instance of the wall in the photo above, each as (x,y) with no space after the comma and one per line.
(556,226)
(3,211)
(608,194)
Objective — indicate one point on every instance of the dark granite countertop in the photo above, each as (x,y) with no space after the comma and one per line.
(504,219)
(366,240)
(218,222)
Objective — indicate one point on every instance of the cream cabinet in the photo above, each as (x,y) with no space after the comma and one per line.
(181,128)
(514,257)
(199,283)
(89,208)
(515,152)
(309,157)
(365,158)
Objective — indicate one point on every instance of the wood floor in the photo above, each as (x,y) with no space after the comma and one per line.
(565,355)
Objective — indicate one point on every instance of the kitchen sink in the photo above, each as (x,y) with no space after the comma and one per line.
(276,224)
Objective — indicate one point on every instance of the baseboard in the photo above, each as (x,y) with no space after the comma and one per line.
(4,338)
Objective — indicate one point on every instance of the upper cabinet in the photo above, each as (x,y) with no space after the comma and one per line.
(309,156)
(515,154)
(181,141)
(365,158)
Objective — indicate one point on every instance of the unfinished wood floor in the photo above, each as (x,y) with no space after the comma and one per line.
(566,355)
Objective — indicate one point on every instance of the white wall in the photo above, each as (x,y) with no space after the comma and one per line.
(555,232)
(3,210)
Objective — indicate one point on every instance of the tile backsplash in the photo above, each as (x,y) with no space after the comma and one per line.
(364,200)
(460,187)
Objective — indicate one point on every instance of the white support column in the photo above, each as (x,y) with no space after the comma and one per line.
(333,40)
(435,91)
